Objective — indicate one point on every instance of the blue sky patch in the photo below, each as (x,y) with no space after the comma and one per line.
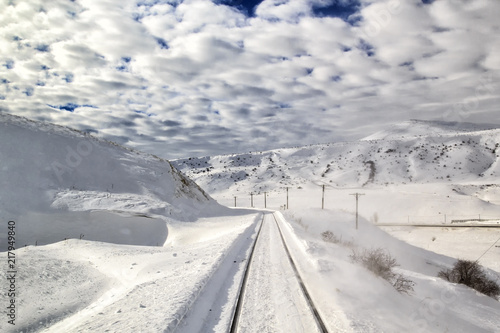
(365,46)
(42,48)
(9,64)
(245,6)
(336,8)
(29,91)
(71,106)
(149,114)
(163,44)
(69,78)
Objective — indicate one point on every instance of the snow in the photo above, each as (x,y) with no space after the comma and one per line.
(273,290)
(468,243)
(51,175)
(111,239)
(371,304)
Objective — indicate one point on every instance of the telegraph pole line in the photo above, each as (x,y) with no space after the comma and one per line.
(357,198)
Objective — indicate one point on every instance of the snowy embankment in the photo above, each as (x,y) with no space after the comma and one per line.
(368,303)
(58,183)
(87,286)
(88,200)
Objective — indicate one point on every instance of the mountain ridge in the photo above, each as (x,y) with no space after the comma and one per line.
(451,156)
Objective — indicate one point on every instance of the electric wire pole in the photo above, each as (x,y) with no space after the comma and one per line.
(251,199)
(265,199)
(357,197)
(323,198)
(287,197)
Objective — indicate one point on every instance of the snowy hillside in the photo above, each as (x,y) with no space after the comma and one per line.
(59,183)
(413,152)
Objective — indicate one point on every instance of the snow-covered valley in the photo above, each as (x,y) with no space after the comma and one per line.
(113,240)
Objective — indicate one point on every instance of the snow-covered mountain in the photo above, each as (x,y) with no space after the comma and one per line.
(413,152)
(61,183)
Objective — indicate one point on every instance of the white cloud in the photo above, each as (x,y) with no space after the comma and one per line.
(181,78)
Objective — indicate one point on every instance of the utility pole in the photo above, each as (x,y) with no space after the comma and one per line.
(287,197)
(357,197)
(265,199)
(251,199)
(234,201)
(323,198)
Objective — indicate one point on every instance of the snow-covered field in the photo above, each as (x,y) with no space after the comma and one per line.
(113,240)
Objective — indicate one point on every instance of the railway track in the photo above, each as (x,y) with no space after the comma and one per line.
(272,285)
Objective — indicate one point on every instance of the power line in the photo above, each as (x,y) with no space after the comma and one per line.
(487,250)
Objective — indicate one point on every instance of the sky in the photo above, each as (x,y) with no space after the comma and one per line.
(200,77)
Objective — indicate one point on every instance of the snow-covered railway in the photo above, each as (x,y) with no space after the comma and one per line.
(273,296)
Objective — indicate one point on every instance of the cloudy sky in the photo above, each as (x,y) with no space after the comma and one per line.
(200,77)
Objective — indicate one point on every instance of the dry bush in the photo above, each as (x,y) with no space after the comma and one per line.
(330,237)
(471,274)
(381,263)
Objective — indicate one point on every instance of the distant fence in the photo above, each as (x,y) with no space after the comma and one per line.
(476,220)
(439,219)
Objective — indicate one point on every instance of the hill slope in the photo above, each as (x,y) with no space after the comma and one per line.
(412,152)
(53,179)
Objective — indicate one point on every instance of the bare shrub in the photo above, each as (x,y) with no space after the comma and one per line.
(330,237)
(402,284)
(381,263)
(376,260)
(471,274)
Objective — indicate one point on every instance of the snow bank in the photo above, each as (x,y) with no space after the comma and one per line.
(52,177)
(370,303)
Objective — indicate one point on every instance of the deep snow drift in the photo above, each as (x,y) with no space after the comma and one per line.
(54,181)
